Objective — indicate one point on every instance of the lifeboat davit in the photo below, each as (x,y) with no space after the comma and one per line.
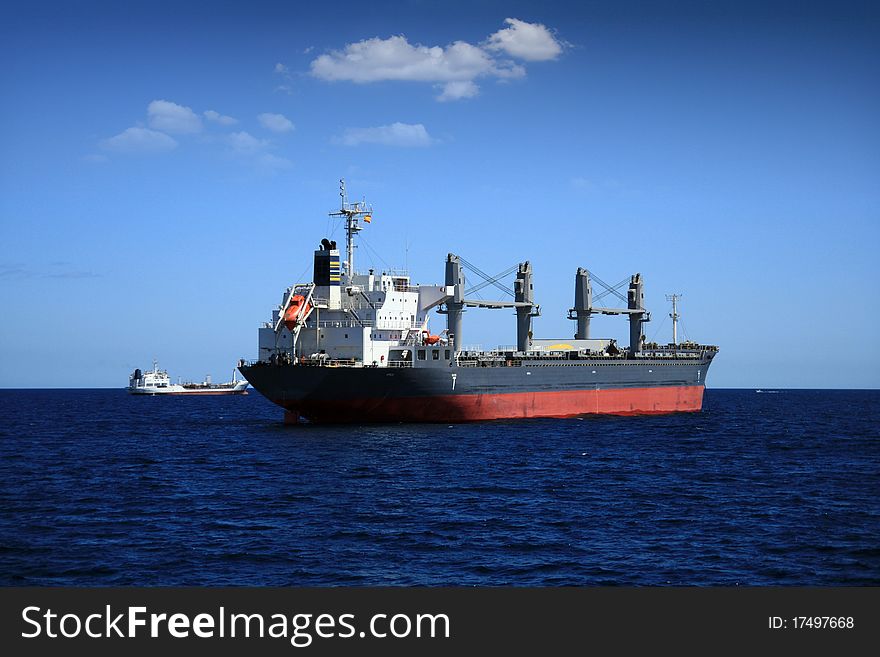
(297,311)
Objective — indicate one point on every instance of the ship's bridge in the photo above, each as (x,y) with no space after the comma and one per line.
(359,321)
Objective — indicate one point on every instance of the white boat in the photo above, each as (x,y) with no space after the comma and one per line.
(157,382)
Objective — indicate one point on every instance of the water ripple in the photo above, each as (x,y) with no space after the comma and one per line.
(99,488)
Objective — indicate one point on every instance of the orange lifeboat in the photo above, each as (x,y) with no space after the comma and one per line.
(429,339)
(298,309)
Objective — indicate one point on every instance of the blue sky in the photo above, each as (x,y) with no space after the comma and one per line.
(167,168)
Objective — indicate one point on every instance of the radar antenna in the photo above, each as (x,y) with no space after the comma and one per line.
(674,315)
(352,212)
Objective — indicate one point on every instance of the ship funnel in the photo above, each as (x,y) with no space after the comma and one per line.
(524,294)
(583,303)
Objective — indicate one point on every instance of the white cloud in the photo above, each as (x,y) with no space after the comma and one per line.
(284,72)
(255,152)
(396,134)
(579,182)
(395,58)
(222,119)
(268,161)
(139,140)
(244,143)
(456,66)
(275,122)
(458,89)
(530,41)
(171,117)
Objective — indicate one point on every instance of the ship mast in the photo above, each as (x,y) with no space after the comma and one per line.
(352,212)
(674,315)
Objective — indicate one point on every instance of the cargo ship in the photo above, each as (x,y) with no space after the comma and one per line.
(357,347)
(157,382)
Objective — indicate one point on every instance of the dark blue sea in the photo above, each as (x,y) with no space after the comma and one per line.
(101,488)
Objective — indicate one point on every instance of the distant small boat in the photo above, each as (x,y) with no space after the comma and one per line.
(769,392)
(157,382)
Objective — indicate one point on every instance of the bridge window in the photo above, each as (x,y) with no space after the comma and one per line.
(435,354)
(422,354)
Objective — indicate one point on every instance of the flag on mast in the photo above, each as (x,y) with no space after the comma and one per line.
(368,218)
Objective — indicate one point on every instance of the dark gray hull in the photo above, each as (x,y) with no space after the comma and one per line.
(441,393)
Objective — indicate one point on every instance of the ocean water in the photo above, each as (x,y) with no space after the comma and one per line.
(101,488)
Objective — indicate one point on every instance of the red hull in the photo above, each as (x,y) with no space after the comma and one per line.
(471,408)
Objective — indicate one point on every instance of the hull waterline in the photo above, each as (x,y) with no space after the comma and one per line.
(382,395)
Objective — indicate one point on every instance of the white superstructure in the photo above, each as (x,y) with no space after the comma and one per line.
(347,316)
